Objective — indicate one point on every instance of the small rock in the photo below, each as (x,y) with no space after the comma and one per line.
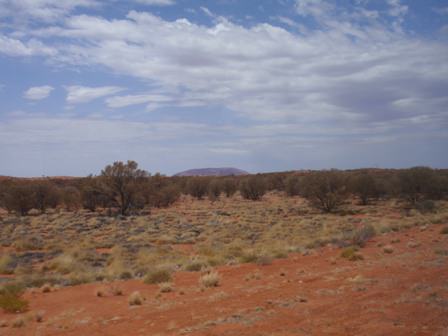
(388,249)
(413,244)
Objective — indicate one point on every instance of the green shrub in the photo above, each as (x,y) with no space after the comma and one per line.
(11,300)
(6,264)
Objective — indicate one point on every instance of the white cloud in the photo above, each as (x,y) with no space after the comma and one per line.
(157,2)
(123,101)
(15,47)
(44,10)
(207,11)
(77,94)
(38,92)
(350,71)
(396,8)
(315,8)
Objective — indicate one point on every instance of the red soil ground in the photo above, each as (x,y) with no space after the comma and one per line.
(400,293)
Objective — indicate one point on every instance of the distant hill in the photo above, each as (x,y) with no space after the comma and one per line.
(212,172)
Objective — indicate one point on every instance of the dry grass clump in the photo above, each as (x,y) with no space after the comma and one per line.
(362,235)
(157,276)
(165,287)
(116,291)
(195,266)
(351,253)
(211,279)
(46,288)
(264,260)
(249,256)
(19,322)
(39,316)
(99,292)
(135,299)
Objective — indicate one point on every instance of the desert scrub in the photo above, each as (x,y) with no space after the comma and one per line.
(264,260)
(157,276)
(351,253)
(195,266)
(19,322)
(165,287)
(444,230)
(46,288)
(11,300)
(362,235)
(6,264)
(248,256)
(211,279)
(135,299)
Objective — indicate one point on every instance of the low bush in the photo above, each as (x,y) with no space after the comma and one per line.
(425,206)
(211,279)
(135,299)
(165,287)
(362,235)
(253,188)
(158,276)
(195,266)
(351,253)
(11,300)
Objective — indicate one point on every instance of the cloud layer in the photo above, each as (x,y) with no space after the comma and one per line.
(77,94)
(325,75)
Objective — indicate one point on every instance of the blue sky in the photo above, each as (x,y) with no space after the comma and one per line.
(266,85)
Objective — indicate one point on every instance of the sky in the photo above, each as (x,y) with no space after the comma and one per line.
(261,85)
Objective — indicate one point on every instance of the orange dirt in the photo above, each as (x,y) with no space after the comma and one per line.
(400,293)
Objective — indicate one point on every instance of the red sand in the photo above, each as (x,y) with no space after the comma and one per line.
(402,293)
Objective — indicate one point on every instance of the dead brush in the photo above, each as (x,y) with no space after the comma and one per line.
(212,279)
(135,299)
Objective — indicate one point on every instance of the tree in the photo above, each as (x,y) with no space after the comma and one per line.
(229,186)
(20,198)
(253,188)
(325,190)
(364,186)
(121,182)
(164,196)
(417,183)
(292,185)
(197,187)
(46,195)
(71,197)
(92,194)
(214,190)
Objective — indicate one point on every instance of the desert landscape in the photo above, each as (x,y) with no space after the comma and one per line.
(298,253)
(223,167)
